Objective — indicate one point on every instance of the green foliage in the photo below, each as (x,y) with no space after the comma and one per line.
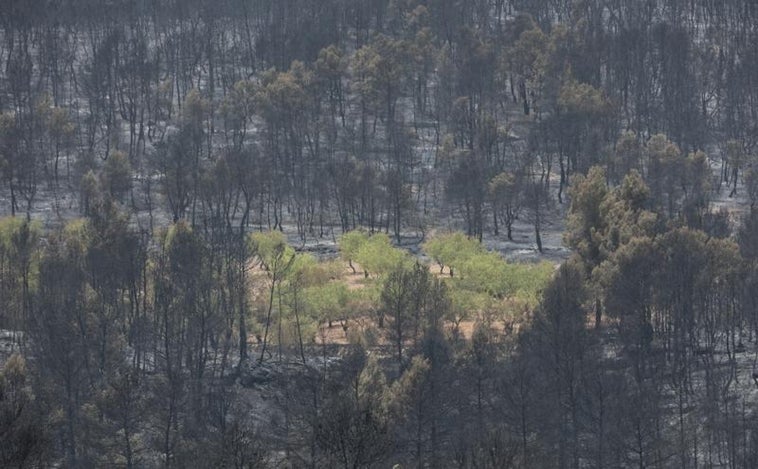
(378,256)
(183,284)
(482,272)
(19,237)
(305,270)
(329,301)
(633,192)
(272,251)
(131,340)
(452,249)
(600,220)
(19,252)
(283,96)
(663,151)
(484,278)
(583,101)
(406,392)
(466,304)
(527,281)
(625,215)
(60,126)
(489,273)
(585,224)
(330,64)
(372,383)
(185,254)
(77,235)
(365,300)
(350,244)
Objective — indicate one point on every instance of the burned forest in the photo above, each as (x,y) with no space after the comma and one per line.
(474,234)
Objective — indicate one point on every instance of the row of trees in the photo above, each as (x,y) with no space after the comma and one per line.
(136,343)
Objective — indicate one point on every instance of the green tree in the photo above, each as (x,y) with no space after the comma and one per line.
(601,220)
(485,273)
(378,256)
(350,244)
(276,257)
(451,249)
(585,224)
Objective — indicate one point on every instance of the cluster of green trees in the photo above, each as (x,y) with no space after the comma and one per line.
(136,343)
(675,304)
